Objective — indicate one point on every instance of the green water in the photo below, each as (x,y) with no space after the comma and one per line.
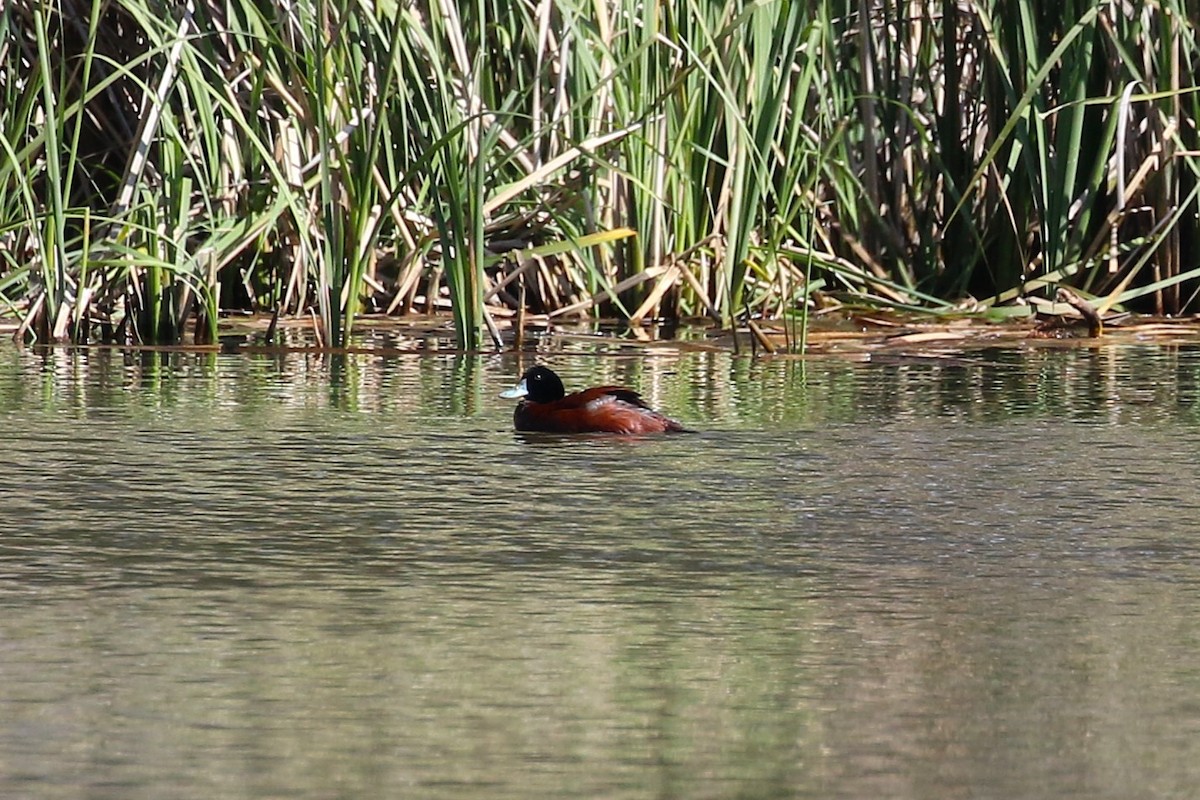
(287,576)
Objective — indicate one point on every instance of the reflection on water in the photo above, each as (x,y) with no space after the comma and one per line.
(252,576)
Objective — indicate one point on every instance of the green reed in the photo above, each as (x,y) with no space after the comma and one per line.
(320,159)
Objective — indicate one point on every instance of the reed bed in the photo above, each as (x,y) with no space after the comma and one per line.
(736,159)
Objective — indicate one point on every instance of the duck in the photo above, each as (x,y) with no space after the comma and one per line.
(546,407)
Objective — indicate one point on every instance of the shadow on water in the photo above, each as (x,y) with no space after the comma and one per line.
(290,574)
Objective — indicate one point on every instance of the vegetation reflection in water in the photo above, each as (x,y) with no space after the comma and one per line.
(709,388)
(289,575)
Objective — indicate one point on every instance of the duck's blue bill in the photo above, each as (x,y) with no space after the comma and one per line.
(520,390)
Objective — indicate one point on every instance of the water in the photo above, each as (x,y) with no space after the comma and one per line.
(284,576)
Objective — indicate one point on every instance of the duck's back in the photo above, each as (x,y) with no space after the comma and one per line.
(604,409)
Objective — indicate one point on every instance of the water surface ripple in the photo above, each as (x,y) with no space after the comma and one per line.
(259,577)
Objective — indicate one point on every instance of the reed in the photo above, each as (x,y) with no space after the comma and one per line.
(724,158)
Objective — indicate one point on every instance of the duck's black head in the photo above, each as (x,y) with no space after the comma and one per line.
(539,384)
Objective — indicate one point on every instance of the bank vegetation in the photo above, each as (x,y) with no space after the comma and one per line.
(162,164)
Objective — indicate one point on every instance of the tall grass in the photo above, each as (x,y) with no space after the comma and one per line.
(727,158)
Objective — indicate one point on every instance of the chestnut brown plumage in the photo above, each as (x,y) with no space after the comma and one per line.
(547,408)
